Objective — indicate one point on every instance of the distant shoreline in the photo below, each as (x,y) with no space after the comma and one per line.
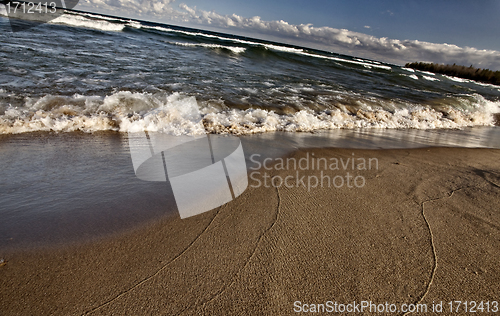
(477,74)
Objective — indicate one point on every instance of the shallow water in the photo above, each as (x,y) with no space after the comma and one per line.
(61,187)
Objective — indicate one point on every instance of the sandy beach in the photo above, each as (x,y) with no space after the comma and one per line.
(424,227)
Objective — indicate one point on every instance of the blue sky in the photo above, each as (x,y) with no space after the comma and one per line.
(393,31)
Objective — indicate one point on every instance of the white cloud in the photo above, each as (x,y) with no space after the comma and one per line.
(367,27)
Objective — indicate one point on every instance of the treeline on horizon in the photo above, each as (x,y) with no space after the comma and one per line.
(478,74)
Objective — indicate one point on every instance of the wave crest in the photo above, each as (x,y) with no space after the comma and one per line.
(179,115)
(81,21)
(234,49)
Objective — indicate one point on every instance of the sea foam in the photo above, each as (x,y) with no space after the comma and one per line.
(175,114)
(234,49)
(81,21)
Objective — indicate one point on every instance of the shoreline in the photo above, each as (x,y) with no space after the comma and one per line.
(422,229)
(80,186)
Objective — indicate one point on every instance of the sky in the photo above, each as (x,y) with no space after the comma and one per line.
(443,31)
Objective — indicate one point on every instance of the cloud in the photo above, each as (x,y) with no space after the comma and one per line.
(367,27)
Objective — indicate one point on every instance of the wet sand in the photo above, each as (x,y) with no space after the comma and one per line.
(425,227)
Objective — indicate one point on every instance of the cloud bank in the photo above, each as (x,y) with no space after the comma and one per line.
(332,39)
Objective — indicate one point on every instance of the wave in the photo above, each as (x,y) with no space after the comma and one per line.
(414,117)
(463,80)
(280,48)
(101,17)
(82,21)
(489,85)
(367,61)
(408,69)
(234,49)
(104,23)
(342,60)
(118,112)
(194,34)
(177,114)
(430,78)
(222,38)
(410,76)
(426,72)
(456,79)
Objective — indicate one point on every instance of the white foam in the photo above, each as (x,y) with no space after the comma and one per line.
(367,61)
(134,24)
(80,21)
(234,40)
(411,76)
(283,48)
(174,114)
(234,49)
(179,115)
(250,90)
(417,117)
(408,69)
(427,73)
(302,52)
(346,61)
(486,84)
(456,79)
(101,17)
(430,78)
(169,30)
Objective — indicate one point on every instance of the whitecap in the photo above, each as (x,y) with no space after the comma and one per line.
(178,114)
(80,21)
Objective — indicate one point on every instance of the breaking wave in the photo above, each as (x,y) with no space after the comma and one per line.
(177,114)
(234,49)
(81,21)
